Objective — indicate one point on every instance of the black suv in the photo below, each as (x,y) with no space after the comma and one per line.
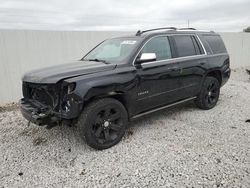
(124,78)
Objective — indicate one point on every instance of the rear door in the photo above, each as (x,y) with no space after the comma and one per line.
(191,59)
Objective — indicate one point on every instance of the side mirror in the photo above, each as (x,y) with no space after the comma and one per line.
(146,57)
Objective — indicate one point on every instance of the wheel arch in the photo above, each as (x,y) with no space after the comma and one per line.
(216,74)
(116,94)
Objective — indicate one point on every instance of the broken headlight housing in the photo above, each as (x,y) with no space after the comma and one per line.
(70,100)
(71,87)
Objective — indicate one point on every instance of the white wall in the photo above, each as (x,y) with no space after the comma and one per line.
(22,51)
(238,46)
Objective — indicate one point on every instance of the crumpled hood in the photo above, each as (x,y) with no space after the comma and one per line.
(54,74)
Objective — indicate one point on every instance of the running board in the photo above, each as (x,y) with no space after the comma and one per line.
(161,108)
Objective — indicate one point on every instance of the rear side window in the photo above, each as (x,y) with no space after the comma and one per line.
(185,45)
(216,44)
(160,46)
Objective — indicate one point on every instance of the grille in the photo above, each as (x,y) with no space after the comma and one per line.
(44,93)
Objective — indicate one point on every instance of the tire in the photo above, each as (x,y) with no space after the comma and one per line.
(209,94)
(103,123)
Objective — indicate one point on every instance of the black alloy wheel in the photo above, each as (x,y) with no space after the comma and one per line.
(212,93)
(209,94)
(107,125)
(103,123)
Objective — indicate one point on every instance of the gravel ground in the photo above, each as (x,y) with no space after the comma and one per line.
(180,147)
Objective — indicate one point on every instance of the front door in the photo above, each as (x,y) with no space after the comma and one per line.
(159,82)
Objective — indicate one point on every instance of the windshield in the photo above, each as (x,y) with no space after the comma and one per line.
(113,50)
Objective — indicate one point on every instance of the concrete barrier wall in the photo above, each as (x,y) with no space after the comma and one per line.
(22,51)
(238,46)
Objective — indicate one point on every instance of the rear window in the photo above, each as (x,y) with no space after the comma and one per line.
(185,46)
(216,44)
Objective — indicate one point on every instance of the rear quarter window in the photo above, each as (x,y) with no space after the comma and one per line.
(216,43)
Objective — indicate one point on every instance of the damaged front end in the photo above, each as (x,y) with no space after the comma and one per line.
(50,104)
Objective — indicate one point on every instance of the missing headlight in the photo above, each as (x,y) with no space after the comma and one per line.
(71,88)
(66,106)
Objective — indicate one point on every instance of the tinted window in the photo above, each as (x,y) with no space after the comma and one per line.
(160,46)
(184,46)
(216,44)
(205,44)
(198,47)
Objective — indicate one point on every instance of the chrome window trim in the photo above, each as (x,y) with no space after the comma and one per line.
(171,59)
(180,59)
(175,60)
(205,52)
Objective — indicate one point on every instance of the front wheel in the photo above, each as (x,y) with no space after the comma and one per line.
(103,123)
(209,94)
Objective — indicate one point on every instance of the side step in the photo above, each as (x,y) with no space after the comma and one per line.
(161,108)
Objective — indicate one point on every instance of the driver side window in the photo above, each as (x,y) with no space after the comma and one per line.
(160,46)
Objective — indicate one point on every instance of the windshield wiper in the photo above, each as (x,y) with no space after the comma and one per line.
(97,60)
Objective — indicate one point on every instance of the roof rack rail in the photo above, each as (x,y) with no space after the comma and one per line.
(169,28)
(187,28)
(162,28)
(193,29)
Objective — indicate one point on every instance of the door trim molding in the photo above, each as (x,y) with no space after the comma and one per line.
(161,108)
(164,92)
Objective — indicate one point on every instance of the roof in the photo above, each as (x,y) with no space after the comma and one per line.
(166,30)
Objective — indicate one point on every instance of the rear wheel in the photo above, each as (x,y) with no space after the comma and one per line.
(209,94)
(103,123)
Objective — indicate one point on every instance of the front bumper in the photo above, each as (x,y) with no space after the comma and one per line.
(37,113)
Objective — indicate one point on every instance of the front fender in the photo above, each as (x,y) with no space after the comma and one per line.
(121,80)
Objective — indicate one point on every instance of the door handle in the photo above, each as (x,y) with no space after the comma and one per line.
(202,63)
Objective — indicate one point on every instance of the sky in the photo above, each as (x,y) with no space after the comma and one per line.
(127,15)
